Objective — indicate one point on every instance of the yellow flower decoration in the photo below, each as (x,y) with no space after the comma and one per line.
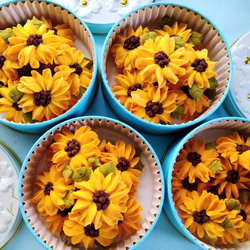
(72,64)
(154,104)
(127,82)
(131,218)
(100,200)
(52,190)
(74,148)
(231,179)
(32,46)
(7,72)
(159,61)
(203,214)
(182,188)
(8,105)
(61,30)
(194,160)
(175,30)
(235,148)
(46,96)
(192,108)
(87,235)
(124,46)
(199,68)
(235,230)
(245,213)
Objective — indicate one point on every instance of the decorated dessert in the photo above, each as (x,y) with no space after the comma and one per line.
(164,73)
(42,74)
(211,189)
(88,193)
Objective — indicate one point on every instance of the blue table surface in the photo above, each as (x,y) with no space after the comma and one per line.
(232,19)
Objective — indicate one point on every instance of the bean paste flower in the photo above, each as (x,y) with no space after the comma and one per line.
(159,61)
(194,161)
(74,148)
(52,189)
(203,214)
(235,148)
(44,95)
(100,200)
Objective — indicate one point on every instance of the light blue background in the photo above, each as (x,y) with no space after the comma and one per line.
(233,20)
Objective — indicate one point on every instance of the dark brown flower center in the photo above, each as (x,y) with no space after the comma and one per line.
(48,188)
(189,186)
(201,217)
(232,176)
(243,214)
(2,60)
(72,148)
(16,107)
(161,59)
(199,65)
(42,98)
(131,43)
(77,67)
(194,158)
(34,40)
(64,212)
(153,108)
(55,30)
(91,231)
(123,164)
(242,148)
(101,199)
(134,88)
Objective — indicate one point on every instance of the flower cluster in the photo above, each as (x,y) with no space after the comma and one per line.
(88,193)
(211,188)
(163,74)
(42,74)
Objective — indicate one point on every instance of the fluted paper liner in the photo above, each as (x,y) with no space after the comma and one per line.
(148,191)
(151,17)
(19,12)
(208,134)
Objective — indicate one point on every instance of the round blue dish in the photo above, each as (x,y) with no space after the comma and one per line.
(23,10)
(150,190)
(208,132)
(150,16)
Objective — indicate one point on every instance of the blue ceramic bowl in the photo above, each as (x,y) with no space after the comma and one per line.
(208,132)
(150,190)
(20,11)
(150,16)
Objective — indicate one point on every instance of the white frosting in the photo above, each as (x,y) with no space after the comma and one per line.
(6,180)
(240,86)
(102,12)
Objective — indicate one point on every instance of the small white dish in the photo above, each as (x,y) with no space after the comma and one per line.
(238,100)
(10,215)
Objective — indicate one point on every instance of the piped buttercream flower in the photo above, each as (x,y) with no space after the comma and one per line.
(100,200)
(159,61)
(235,148)
(44,95)
(72,64)
(52,189)
(127,83)
(154,104)
(203,214)
(87,235)
(245,213)
(194,161)
(124,45)
(74,148)
(231,179)
(10,106)
(32,46)
(199,68)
